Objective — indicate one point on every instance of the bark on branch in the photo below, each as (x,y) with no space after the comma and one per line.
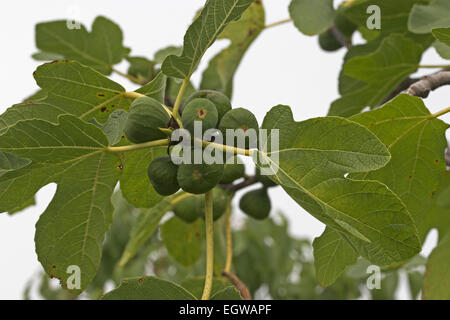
(423,87)
(340,37)
(245,293)
(236,187)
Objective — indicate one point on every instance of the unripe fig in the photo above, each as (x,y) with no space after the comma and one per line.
(187,209)
(256,204)
(265,180)
(239,118)
(162,173)
(232,171)
(328,41)
(199,178)
(145,118)
(199,110)
(221,101)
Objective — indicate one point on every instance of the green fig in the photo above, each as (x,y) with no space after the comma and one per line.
(199,178)
(187,209)
(239,118)
(221,101)
(265,180)
(328,41)
(256,204)
(201,110)
(145,118)
(232,171)
(162,173)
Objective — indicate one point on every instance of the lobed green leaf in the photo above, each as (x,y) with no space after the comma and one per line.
(148,288)
(183,241)
(144,227)
(376,75)
(424,18)
(417,144)
(100,49)
(242,33)
(202,33)
(71,153)
(437,276)
(314,157)
(332,254)
(312,17)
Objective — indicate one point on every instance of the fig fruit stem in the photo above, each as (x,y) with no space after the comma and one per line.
(244,152)
(150,144)
(176,106)
(133,95)
(229,260)
(243,290)
(274,24)
(180,197)
(209,245)
(165,142)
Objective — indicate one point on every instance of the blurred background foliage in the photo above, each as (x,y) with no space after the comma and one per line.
(266,258)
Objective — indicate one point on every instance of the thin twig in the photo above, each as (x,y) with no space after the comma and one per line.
(245,293)
(274,24)
(340,37)
(238,186)
(400,88)
(423,87)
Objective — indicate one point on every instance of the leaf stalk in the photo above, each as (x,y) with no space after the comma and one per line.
(209,245)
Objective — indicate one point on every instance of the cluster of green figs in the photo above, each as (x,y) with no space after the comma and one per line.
(149,120)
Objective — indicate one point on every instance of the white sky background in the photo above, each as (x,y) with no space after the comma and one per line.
(282,67)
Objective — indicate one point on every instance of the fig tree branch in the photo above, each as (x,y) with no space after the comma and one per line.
(340,37)
(238,186)
(424,86)
(245,293)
